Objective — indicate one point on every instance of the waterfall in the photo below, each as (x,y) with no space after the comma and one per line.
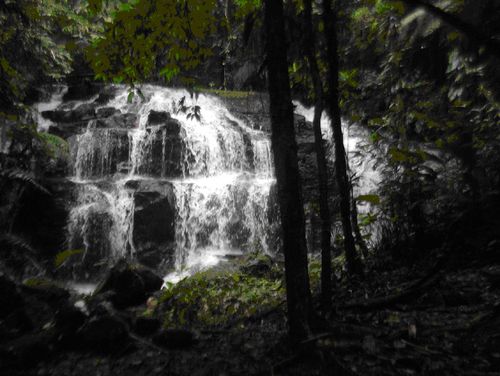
(152,161)
(362,161)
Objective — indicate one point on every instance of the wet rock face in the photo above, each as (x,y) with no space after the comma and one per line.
(41,218)
(164,148)
(154,222)
(83,112)
(116,119)
(104,334)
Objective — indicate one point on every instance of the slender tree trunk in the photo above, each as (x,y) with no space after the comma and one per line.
(324,210)
(329,18)
(287,173)
(357,232)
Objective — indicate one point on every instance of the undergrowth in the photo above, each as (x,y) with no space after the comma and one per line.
(214,297)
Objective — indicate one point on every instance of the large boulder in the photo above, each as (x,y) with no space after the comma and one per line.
(127,285)
(105,112)
(175,338)
(116,119)
(154,222)
(104,333)
(158,117)
(81,113)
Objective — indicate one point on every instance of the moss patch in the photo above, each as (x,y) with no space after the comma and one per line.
(230,94)
(213,298)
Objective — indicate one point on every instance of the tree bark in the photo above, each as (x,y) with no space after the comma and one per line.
(355,227)
(329,18)
(287,173)
(324,210)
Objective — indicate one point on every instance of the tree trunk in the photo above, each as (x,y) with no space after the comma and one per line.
(287,173)
(353,263)
(355,227)
(324,210)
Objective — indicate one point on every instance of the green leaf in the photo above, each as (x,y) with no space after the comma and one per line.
(398,155)
(130,97)
(63,256)
(372,199)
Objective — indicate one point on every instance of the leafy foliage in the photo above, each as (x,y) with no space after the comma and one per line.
(145,37)
(23,176)
(38,40)
(64,256)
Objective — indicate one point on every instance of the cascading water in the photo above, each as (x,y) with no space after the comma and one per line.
(213,173)
(362,162)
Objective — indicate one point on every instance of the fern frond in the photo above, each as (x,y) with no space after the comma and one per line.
(16,242)
(20,175)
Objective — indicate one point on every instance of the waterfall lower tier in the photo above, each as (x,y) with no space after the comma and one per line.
(221,215)
(156,183)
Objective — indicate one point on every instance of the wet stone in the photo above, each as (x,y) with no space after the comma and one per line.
(105,112)
(158,117)
(118,120)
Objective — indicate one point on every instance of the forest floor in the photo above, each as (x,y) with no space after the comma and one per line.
(397,321)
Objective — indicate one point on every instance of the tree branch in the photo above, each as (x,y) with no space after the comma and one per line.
(491,45)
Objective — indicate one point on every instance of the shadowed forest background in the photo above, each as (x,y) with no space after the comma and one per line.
(250,187)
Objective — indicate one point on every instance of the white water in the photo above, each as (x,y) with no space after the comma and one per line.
(54,101)
(225,173)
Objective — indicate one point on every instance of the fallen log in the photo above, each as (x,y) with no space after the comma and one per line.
(415,289)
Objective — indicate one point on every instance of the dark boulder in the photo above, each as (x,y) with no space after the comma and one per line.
(68,320)
(158,117)
(105,112)
(104,334)
(10,296)
(46,291)
(26,351)
(118,120)
(146,326)
(175,339)
(260,266)
(129,285)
